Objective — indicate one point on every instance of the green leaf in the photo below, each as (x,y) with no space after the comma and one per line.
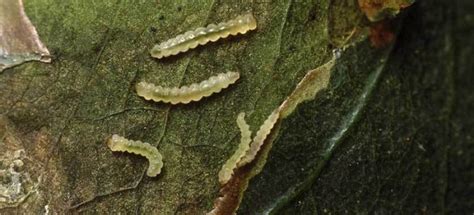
(379,139)
(375,140)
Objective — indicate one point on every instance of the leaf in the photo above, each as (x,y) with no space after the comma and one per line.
(377,140)
(100,51)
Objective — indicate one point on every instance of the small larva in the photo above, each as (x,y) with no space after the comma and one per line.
(201,36)
(121,144)
(186,94)
(228,168)
(247,149)
(259,138)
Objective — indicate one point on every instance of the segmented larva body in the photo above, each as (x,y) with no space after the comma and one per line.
(201,36)
(186,94)
(259,138)
(247,149)
(121,144)
(228,168)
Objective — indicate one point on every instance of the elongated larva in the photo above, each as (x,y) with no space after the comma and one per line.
(121,144)
(201,36)
(248,148)
(259,138)
(186,94)
(228,168)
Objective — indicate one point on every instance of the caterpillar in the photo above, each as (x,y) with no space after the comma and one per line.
(121,144)
(201,36)
(247,149)
(259,138)
(186,94)
(228,168)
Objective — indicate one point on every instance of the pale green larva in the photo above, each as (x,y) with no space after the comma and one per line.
(247,149)
(186,94)
(228,168)
(201,36)
(260,138)
(121,144)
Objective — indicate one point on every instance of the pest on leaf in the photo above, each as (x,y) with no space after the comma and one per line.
(247,149)
(186,94)
(121,144)
(201,36)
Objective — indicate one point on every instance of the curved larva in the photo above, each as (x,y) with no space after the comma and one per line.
(259,138)
(121,144)
(228,168)
(201,36)
(186,94)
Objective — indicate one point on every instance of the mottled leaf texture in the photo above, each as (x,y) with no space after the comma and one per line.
(391,132)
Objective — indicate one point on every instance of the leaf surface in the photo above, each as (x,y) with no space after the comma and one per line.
(373,140)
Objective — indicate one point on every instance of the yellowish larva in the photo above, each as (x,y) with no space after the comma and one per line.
(259,138)
(228,168)
(201,36)
(186,94)
(121,144)
(247,149)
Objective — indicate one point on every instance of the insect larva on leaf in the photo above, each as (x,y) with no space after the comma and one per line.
(228,168)
(201,36)
(186,94)
(121,144)
(247,149)
(259,138)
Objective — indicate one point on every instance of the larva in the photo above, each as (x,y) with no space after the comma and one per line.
(201,36)
(248,148)
(259,138)
(186,94)
(228,168)
(121,144)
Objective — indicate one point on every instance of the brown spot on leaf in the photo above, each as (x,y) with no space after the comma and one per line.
(231,193)
(381,34)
